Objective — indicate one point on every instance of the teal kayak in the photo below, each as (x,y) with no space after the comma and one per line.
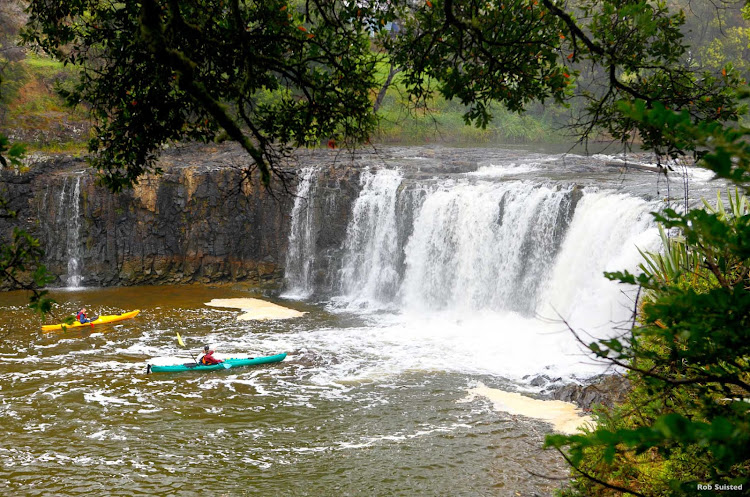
(227,364)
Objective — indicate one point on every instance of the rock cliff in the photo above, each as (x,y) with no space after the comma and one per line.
(198,222)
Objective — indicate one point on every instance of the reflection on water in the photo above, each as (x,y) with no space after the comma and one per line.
(337,417)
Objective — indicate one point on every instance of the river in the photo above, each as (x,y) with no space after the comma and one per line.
(349,412)
(445,284)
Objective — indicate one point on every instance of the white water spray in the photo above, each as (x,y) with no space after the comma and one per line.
(370,274)
(301,252)
(469,264)
(482,246)
(73,223)
(605,235)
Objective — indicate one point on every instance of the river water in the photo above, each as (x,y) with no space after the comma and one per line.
(444,283)
(349,412)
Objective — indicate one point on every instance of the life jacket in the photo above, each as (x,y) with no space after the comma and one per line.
(81,316)
(209,360)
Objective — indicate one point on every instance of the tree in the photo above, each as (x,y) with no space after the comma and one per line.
(273,75)
(520,51)
(21,255)
(719,34)
(270,75)
(20,258)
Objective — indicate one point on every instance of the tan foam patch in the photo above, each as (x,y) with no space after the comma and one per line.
(256,309)
(563,416)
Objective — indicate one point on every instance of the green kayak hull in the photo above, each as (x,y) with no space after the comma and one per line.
(227,364)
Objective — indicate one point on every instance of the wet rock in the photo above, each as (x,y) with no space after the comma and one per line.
(195,223)
(606,390)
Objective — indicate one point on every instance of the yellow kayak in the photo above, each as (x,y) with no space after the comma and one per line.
(100,320)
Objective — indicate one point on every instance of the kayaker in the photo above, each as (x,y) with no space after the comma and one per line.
(81,317)
(208,357)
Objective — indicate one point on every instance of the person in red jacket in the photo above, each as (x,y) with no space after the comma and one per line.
(208,357)
(81,316)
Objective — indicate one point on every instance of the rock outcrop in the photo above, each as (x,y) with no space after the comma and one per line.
(201,221)
(606,390)
(205,220)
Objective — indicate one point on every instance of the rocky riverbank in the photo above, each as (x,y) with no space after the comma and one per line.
(606,389)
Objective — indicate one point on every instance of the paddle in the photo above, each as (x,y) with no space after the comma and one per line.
(182,344)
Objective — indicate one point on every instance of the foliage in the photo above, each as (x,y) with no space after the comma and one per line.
(20,263)
(672,263)
(443,123)
(10,154)
(158,70)
(520,51)
(731,41)
(441,120)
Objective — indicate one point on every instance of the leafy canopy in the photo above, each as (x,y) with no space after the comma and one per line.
(267,74)
(277,75)
(600,53)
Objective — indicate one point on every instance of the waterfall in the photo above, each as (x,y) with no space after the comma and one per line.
(464,245)
(483,245)
(300,257)
(370,272)
(72,220)
(475,270)
(604,235)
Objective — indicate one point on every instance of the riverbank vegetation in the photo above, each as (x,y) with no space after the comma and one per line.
(442,122)
(34,113)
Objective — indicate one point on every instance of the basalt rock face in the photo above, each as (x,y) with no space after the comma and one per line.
(198,222)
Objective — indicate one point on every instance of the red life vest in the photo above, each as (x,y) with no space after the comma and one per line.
(209,359)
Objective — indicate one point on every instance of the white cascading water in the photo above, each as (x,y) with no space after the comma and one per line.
(482,245)
(605,235)
(471,280)
(69,215)
(300,256)
(370,275)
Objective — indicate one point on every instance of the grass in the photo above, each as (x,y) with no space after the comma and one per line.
(32,108)
(35,113)
(443,122)
(75,148)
